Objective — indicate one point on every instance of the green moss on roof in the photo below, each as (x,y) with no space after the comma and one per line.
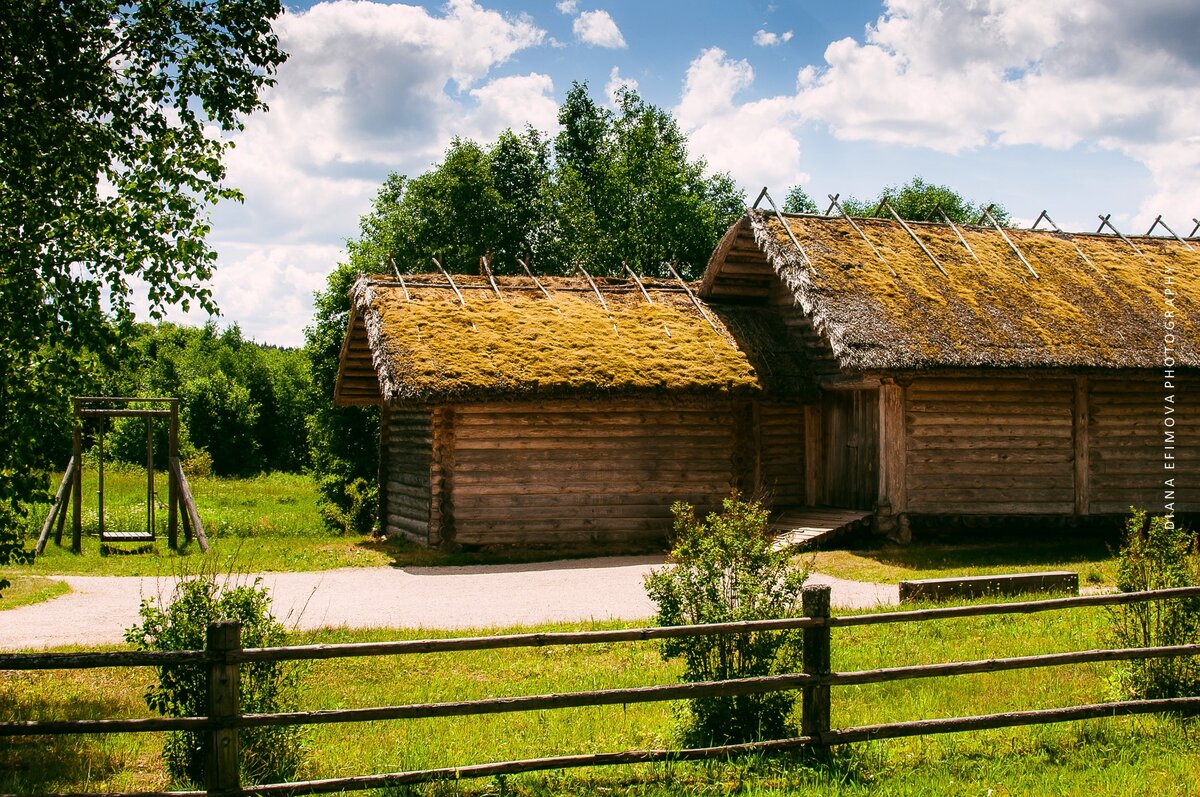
(429,346)
(993,312)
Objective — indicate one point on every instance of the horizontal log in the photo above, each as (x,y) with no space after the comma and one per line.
(1027,483)
(949,467)
(532,530)
(843,736)
(1003,455)
(564,512)
(958,494)
(587,407)
(583,501)
(963,417)
(1027,409)
(920,504)
(411,503)
(655,484)
(666,443)
(963,435)
(411,525)
(583,437)
(88,661)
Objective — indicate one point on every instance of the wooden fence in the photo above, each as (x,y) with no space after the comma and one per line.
(224,654)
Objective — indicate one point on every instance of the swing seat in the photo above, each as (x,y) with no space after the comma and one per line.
(126,536)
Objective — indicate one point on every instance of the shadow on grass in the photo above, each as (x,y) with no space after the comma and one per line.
(957,557)
(46,764)
(405,554)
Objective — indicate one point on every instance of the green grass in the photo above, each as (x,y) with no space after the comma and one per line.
(25,590)
(1094,561)
(269,523)
(1151,755)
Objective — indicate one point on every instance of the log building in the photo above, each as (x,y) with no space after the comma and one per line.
(565,413)
(916,371)
(970,371)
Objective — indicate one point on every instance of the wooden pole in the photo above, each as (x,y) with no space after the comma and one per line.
(913,235)
(77,491)
(1104,222)
(172,482)
(150,476)
(815,711)
(57,510)
(100,480)
(987,213)
(222,775)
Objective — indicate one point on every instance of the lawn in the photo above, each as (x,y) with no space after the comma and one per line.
(1118,756)
(1092,558)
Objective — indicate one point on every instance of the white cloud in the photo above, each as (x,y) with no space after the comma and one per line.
(765,38)
(598,29)
(566,6)
(1117,75)
(754,141)
(369,88)
(615,83)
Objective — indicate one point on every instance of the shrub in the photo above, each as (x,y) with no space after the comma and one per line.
(267,754)
(1155,554)
(725,570)
(356,514)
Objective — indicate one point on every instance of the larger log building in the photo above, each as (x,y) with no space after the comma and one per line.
(926,371)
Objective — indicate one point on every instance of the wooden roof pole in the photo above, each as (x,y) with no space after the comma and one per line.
(399,278)
(641,287)
(987,214)
(1159,221)
(487,269)
(938,209)
(884,203)
(833,199)
(1046,216)
(536,282)
(1104,222)
(579,267)
(1195,229)
(450,279)
(692,296)
(786,226)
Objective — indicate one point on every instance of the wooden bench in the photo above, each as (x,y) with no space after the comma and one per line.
(933,589)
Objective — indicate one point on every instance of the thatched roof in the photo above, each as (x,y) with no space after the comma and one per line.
(1095,302)
(417,343)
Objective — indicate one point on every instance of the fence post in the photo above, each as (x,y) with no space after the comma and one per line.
(222,773)
(814,718)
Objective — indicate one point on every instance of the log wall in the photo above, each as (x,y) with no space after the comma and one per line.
(781,453)
(405,460)
(1049,445)
(1127,442)
(571,473)
(990,446)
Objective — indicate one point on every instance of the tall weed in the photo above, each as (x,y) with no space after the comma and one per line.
(1156,554)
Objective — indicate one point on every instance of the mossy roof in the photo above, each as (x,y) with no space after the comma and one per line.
(1107,308)
(427,346)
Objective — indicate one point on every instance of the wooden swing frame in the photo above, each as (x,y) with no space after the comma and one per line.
(181,506)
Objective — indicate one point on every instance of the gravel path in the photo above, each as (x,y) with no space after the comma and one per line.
(99,608)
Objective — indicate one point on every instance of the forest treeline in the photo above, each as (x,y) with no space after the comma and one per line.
(243,405)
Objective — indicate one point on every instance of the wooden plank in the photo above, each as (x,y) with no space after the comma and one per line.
(813,458)
(965,587)
(893,447)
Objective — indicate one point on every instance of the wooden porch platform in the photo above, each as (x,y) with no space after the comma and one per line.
(809,527)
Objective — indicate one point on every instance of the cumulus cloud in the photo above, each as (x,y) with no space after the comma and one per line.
(1113,74)
(754,141)
(369,88)
(598,29)
(566,6)
(616,82)
(765,38)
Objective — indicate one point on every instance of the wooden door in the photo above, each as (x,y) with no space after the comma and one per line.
(850,428)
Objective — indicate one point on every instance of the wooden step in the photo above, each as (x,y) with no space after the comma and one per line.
(811,526)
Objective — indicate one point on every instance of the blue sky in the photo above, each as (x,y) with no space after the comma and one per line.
(1077,106)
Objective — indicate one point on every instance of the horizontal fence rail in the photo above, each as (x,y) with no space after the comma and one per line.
(224,654)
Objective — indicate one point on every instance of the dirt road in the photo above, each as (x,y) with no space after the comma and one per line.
(99,608)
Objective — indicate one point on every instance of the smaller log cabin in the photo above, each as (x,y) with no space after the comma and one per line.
(564,413)
(968,371)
